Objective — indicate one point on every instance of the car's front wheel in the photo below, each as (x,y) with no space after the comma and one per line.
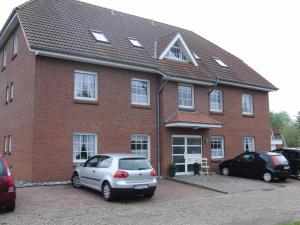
(267,176)
(76,180)
(225,171)
(107,192)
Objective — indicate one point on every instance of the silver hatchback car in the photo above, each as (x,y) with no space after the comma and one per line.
(116,174)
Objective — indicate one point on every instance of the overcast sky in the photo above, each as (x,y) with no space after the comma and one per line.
(263,33)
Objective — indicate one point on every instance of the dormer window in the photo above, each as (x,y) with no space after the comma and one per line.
(135,42)
(220,62)
(176,52)
(100,37)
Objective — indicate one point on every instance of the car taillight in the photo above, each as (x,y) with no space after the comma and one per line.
(121,174)
(153,173)
(275,161)
(10,180)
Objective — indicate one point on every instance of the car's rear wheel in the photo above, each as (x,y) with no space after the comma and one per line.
(267,176)
(107,192)
(10,207)
(76,180)
(225,171)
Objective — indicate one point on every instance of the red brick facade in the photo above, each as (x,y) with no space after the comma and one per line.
(44,115)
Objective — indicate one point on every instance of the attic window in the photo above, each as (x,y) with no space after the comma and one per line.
(100,37)
(176,53)
(196,56)
(135,42)
(220,62)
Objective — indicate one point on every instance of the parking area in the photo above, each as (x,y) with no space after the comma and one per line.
(173,203)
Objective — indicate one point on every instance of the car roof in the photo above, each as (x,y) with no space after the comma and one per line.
(122,155)
(294,149)
(269,153)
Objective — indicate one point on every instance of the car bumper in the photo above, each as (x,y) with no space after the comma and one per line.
(282,174)
(123,184)
(7,198)
(133,192)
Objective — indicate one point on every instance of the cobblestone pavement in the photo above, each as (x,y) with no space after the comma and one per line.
(227,184)
(174,203)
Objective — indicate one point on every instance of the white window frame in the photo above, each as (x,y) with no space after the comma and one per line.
(7,94)
(95,144)
(148,91)
(135,42)
(5,144)
(9,144)
(220,103)
(15,44)
(250,97)
(220,62)
(11,92)
(96,85)
(253,143)
(222,149)
(100,37)
(4,58)
(149,144)
(193,98)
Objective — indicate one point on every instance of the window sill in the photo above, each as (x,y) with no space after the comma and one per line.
(248,115)
(89,102)
(186,109)
(141,106)
(216,113)
(216,160)
(14,56)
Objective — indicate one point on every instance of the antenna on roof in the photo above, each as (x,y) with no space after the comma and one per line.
(112,12)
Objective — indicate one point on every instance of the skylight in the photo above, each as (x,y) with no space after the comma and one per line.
(135,42)
(196,56)
(220,62)
(99,37)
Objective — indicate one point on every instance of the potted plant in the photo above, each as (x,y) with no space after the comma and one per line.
(196,168)
(172,169)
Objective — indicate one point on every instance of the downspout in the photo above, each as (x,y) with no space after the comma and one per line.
(161,87)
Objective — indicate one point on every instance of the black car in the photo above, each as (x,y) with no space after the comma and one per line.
(264,165)
(293,156)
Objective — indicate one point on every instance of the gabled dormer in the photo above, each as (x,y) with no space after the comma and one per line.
(177,49)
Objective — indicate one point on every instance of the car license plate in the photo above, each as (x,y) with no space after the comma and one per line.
(141,186)
(286,167)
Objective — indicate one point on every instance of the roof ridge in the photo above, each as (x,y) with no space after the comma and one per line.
(25,4)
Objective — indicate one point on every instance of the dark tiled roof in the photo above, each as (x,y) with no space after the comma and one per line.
(65,25)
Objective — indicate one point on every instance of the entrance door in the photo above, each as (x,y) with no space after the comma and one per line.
(186,151)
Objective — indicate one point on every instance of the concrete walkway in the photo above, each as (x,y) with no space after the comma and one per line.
(227,185)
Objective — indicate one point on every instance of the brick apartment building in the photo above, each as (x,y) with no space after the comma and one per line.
(78,79)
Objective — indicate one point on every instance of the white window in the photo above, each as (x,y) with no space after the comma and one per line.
(5,144)
(4,58)
(217,147)
(176,52)
(140,92)
(135,42)
(247,104)
(186,96)
(84,146)
(196,56)
(216,101)
(100,37)
(7,94)
(11,91)
(15,44)
(86,86)
(9,144)
(249,144)
(220,62)
(140,145)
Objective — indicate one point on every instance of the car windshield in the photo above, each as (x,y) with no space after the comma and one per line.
(2,169)
(134,164)
(281,159)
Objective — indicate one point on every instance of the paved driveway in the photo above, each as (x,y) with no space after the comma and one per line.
(174,203)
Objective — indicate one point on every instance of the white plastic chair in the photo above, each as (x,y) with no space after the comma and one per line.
(204,166)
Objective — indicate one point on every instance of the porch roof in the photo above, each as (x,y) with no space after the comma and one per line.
(191,120)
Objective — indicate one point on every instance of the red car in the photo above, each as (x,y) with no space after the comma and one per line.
(7,187)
